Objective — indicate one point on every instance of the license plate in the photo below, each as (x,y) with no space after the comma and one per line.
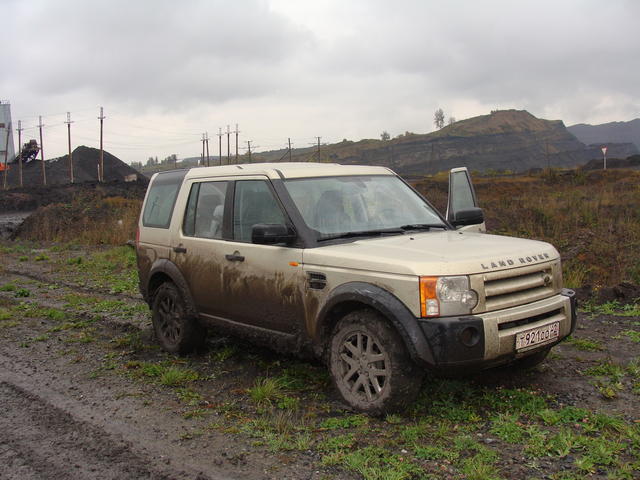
(537,336)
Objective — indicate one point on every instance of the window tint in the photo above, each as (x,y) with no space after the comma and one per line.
(161,199)
(254,203)
(205,210)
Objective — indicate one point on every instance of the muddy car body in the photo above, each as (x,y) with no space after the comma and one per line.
(350,264)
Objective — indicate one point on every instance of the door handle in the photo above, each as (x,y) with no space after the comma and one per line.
(179,249)
(234,257)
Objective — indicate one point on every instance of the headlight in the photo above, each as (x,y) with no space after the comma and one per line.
(443,296)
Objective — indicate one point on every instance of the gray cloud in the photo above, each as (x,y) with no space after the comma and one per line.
(289,68)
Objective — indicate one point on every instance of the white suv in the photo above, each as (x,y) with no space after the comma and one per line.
(350,264)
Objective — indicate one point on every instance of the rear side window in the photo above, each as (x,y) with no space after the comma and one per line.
(161,199)
(205,210)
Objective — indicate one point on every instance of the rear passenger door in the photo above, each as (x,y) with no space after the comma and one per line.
(262,284)
(198,249)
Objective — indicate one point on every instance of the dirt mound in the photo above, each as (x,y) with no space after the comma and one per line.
(30,198)
(85,168)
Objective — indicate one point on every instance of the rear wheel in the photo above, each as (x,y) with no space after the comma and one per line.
(370,366)
(176,331)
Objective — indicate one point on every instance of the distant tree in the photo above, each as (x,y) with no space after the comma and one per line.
(150,162)
(438,118)
(384,136)
(452,120)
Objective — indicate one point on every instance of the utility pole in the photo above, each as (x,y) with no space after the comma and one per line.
(207,142)
(219,145)
(318,148)
(20,151)
(289,140)
(6,155)
(236,131)
(202,156)
(249,146)
(44,169)
(69,122)
(101,165)
(546,152)
(228,154)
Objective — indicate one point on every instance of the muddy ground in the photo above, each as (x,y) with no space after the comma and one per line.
(86,394)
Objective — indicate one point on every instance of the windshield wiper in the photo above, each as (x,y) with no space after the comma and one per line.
(362,233)
(423,226)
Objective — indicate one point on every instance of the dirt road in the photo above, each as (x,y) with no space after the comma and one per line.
(86,394)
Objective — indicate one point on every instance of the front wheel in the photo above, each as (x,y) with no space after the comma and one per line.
(176,331)
(370,366)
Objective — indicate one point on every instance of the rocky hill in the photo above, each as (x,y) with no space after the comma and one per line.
(85,167)
(605,133)
(503,140)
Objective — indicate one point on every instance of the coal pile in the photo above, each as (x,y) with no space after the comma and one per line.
(85,169)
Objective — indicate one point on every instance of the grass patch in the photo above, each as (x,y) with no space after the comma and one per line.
(632,335)
(163,373)
(266,391)
(585,344)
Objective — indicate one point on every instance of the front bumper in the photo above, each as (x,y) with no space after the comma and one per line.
(486,340)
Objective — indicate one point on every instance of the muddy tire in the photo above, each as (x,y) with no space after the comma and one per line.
(370,366)
(532,360)
(176,331)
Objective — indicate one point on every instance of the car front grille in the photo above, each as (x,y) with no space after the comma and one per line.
(518,286)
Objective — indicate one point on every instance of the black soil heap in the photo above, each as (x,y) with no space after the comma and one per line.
(85,169)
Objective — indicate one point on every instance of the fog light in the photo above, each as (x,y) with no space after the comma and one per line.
(470,336)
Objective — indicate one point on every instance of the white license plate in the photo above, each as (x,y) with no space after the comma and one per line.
(537,336)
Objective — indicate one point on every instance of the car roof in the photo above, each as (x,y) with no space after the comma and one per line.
(286,170)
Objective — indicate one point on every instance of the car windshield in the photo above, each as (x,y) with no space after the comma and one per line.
(360,204)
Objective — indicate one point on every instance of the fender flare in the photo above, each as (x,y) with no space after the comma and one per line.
(170,269)
(388,305)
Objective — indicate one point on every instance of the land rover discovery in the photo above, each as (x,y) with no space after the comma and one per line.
(351,265)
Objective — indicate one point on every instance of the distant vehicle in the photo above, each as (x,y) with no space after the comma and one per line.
(350,264)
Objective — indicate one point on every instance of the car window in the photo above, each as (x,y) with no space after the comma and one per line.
(161,199)
(332,205)
(254,203)
(461,192)
(205,210)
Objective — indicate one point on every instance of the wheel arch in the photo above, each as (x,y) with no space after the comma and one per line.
(164,270)
(353,296)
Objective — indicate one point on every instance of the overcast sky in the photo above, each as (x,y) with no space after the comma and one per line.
(166,71)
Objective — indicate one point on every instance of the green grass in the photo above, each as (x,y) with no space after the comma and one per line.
(8,287)
(585,344)
(113,269)
(613,308)
(344,422)
(632,335)
(266,391)
(174,376)
(163,373)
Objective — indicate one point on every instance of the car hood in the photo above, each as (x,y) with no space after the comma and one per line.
(432,253)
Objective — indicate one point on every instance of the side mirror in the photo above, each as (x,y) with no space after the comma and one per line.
(272,234)
(469,216)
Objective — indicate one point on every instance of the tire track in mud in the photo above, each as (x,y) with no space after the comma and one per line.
(50,443)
